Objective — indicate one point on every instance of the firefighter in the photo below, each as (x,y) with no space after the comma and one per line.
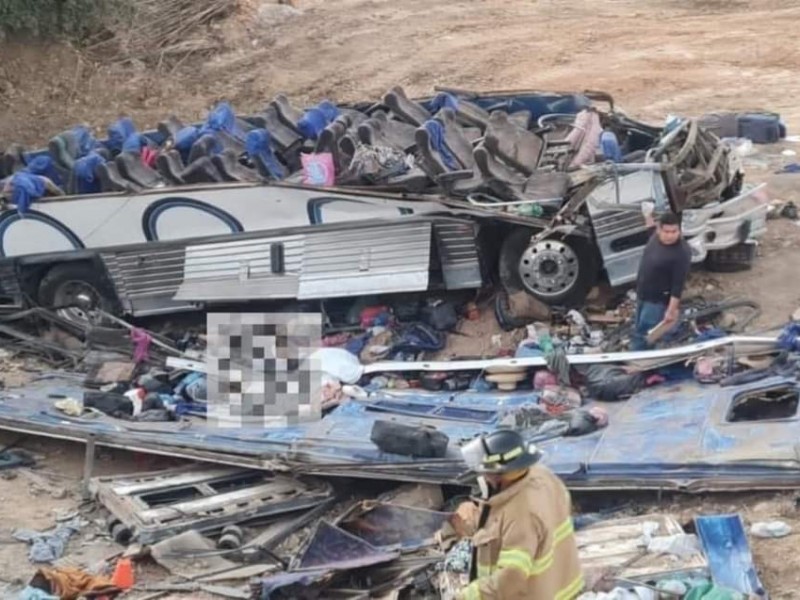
(524,546)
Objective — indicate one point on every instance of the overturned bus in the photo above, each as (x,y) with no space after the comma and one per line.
(537,192)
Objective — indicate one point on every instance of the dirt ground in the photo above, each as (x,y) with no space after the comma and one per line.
(654,56)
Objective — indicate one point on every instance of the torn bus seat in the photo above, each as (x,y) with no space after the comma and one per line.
(380,130)
(43,165)
(131,168)
(514,186)
(466,112)
(205,145)
(119,131)
(436,154)
(13,160)
(328,141)
(230,142)
(286,112)
(455,138)
(315,119)
(112,181)
(83,177)
(448,118)
(409,111)
(170,127)
(201,170)
(64,148)
(169,165)
(282,135)
(228,165)
(518,147)
(258,144)
(448,173)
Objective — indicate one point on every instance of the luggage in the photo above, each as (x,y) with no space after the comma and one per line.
(417,441)
(761,128)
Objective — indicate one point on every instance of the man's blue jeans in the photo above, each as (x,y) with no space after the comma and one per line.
(648,315)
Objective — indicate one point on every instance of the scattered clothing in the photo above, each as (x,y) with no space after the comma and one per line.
(558,363)
(609,145)
(611,382)
(70,583)
(141,345)
(32,593)
(48,546)
(109,403)
(376,164)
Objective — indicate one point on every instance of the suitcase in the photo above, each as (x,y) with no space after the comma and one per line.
(761,128)
(417,441)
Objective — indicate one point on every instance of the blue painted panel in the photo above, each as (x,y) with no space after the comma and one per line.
(729,558)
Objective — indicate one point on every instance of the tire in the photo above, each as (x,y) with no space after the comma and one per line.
(567,268)
(502,312)
(64,282)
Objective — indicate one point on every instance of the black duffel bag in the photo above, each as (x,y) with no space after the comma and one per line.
(417,441)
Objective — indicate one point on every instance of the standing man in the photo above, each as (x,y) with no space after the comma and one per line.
(662,277)
(524,546)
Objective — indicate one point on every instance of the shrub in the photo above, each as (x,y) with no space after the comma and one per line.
(73,19)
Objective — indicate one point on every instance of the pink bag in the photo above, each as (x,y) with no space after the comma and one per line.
(318,169)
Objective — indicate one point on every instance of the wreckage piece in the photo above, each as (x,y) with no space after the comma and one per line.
(190,555)
(730,560)
(687,437)
(642,358)
(152,506)
(334,549)
(390,525)
(614,547)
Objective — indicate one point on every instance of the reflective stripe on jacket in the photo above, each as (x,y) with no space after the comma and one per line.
(527,549)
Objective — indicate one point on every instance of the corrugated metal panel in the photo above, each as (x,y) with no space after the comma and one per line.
(458,254)
(9,283)
(146,280)
(145,272)
(366,260)
(616,222)
(241,270)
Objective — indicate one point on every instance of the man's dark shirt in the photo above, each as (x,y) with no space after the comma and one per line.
(663,270)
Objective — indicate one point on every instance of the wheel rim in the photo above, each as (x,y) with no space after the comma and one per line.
(79,299)
(549,268)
